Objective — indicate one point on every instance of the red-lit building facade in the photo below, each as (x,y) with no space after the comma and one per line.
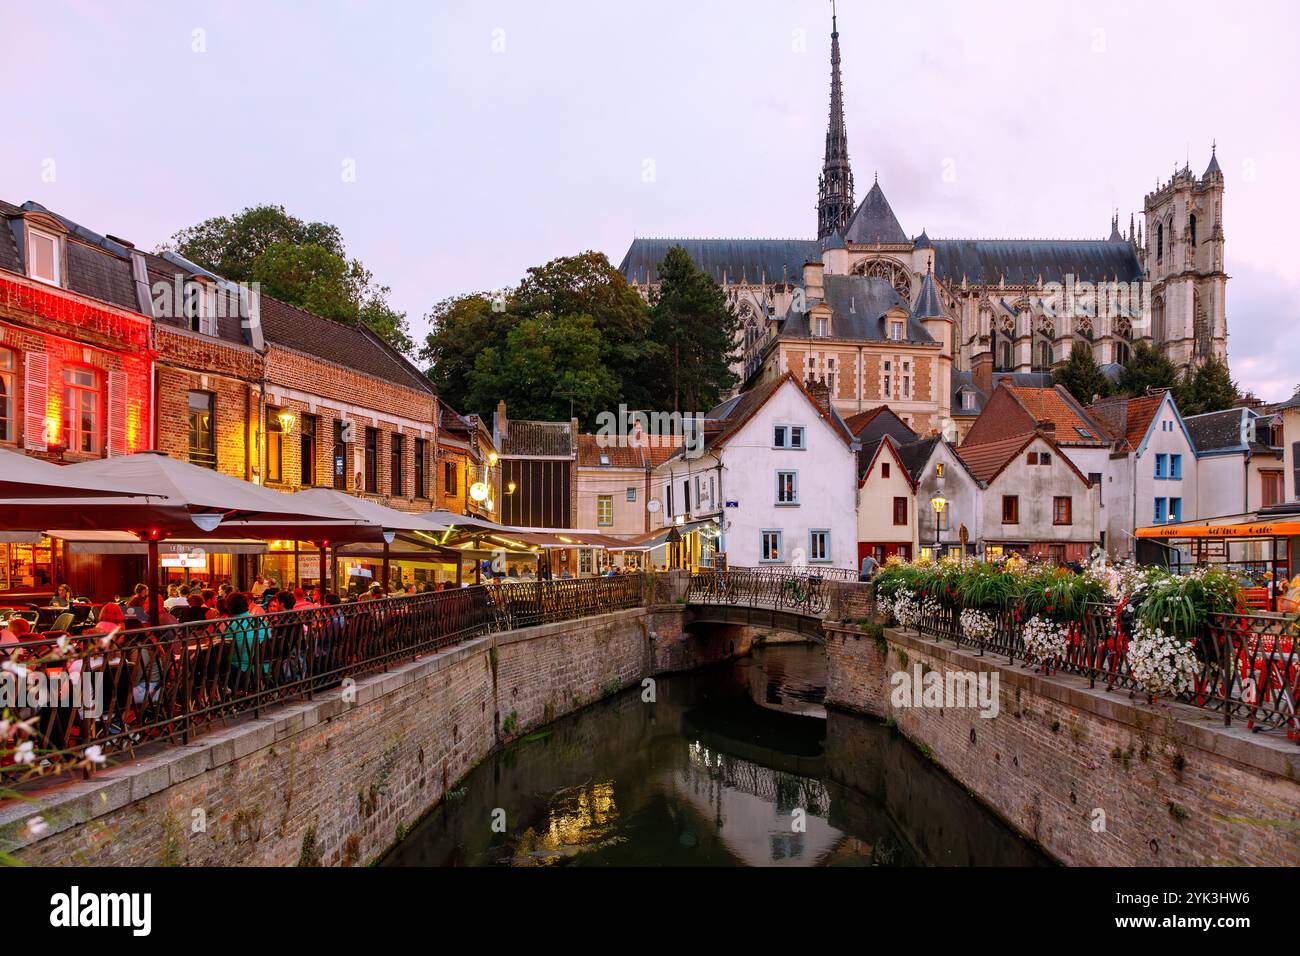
(76,369)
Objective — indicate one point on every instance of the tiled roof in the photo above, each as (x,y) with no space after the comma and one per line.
(874,221)
(646,452)
(1126,420)
(351,346)
(858,308)
(1217,431)
(525,439)
(986,460)
(230,326)
(1056,405)
(735,259)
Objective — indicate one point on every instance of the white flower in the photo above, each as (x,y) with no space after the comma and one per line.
(977,625)
(1045,640)
(37,827)
(26,752)
(95,755)
(62,644)
(16,669)
(1161,663)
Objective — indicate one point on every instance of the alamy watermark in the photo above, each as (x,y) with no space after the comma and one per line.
(22,688)
(955,689)
(629,429)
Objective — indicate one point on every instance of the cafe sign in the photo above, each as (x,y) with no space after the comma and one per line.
(1277,529)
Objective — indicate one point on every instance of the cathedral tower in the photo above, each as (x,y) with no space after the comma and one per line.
(835,188)
(1184,263)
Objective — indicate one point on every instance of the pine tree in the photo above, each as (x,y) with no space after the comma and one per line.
(695,332)
(1209,389)
(1082,376)
(1147,369)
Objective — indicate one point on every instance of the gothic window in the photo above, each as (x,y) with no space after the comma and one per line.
(1045,354)
(751,333)
(1158,319)
(893,273)
(1191,225)
(1121,353)
(1160,242)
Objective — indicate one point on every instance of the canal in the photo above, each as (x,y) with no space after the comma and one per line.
(736,765)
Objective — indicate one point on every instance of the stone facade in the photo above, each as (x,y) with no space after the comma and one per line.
(1175,788)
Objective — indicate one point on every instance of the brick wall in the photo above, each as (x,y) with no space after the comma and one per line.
(1175,787)
(349,778)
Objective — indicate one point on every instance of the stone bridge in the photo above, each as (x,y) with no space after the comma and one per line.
(797,600)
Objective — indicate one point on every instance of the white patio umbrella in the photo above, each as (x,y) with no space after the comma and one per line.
(24,477)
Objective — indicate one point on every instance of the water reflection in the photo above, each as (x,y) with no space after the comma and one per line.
(728,768)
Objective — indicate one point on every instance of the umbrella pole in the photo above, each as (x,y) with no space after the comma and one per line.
(384,571)
(324,569)
(155,582)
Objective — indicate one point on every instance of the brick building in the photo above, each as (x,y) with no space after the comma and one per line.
(466,455)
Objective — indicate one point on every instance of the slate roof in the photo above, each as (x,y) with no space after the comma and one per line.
(524,439)
(928,305)
(1023,261)
(875,222)
(915,454)
(877,422)
(736,259)
(230,326)
(351,346)
(858,306)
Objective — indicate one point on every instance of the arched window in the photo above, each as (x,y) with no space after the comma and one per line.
(1045,354)
(1160,242)
(1121,353)
(1191,225)
(1158,320)
(1006,355)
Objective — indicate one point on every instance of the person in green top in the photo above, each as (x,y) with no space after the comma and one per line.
(247,634)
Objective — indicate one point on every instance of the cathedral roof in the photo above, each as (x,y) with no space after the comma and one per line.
(734,259)
(875,221)
(922,241)
(927,300)
(1024,261)
(1214,163)
(858,307)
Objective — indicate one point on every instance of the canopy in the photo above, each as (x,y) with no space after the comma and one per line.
(24,477)
(124,542)
(350,507)
(1261,529)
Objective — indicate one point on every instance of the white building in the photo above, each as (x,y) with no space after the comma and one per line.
(1239,461)
(775,476)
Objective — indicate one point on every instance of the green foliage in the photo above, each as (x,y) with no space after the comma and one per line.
(1058,595)
(694,331)
(1082,376)
(1147,369)
(1180,604)
(302,263)
(1208,389)
(987,587)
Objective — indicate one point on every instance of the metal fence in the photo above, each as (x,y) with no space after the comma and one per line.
(812,591)
(170,683)
(1248,664)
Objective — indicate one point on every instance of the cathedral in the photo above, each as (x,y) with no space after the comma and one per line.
(929,326)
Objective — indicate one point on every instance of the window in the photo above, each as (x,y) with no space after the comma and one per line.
(896,331)
(1160,242)
(1062,510)
(7,365)
(787,487)
(884,469)
(907,380)
(1162,466)
(1191,224)
(372,461)
(900,511)
(823,328)
(1270,488)
(819,544)
(339,457)
(686,497)
(203,443)
(307,450)
(43,256)
(967,401)
(1175,509)
(1031,458)
(1006,355)
(787,436)
(668,496)
(397,451)
(1045,355)
(769,546)
(200,308)
(1160,511)
(1083,432)
(421,489)
(81,410)
(888,369)
(1175,465)
(274,446)
(1094,479)
(796,436)
(604,509)
(1056,554)
(450,485)
(1044,457)
(1011,509)
(780,435)
(938,469)
(631,494)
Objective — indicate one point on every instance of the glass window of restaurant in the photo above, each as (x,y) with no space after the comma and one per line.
(274,446)
(307,437)
(395,468)
(340,455)
(372,461)
(203,440)
(82,400)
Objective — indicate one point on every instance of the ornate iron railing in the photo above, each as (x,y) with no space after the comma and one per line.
(1248,664)
(804,590)
(171,683)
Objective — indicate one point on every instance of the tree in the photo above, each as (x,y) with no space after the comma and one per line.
(695,330)
(302,263)
(549,368)
(1209,389)
(461,328)
(1147,369)
(1082,376)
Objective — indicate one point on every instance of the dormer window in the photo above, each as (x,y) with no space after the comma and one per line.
(43,256)
(200,308)
(823,328)
(968,401)
(896,331)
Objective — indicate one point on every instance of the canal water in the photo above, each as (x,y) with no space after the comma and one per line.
(736,765)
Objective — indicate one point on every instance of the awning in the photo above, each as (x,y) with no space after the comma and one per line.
(123,542)
(657,539)
(24,477)
(1263,529)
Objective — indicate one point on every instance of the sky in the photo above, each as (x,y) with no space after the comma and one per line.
(457,143)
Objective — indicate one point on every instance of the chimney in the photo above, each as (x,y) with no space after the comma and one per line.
(982,372)
(1047,427)
(820,392)
(499,423)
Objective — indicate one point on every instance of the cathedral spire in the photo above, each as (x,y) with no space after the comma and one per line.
(835,188)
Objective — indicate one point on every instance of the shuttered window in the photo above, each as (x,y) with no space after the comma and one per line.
(36,389)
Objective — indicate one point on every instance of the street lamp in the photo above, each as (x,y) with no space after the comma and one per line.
(939,503)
